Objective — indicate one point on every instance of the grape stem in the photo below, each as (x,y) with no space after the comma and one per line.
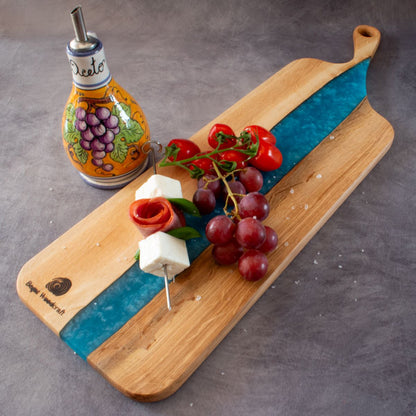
(230,194)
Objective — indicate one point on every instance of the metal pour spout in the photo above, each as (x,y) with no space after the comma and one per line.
(83,41)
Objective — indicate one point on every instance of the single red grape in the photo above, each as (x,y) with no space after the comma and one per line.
(220,230)
(250,233)
(270,243)
(205,201)
(255,205)
(251,178)
(228,253)
(253,265)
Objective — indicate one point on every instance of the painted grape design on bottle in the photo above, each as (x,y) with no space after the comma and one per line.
(94,132)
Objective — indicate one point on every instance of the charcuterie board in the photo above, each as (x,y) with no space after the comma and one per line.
(87,288)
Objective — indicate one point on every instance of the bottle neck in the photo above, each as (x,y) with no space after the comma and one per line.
(89,67)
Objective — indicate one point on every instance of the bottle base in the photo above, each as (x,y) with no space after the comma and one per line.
(114,182)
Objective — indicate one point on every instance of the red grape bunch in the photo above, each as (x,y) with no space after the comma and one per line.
(98,131)
(242,236)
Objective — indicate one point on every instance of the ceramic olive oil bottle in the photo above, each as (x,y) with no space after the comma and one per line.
(103,127)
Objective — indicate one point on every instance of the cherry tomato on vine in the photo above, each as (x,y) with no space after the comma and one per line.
(260,132)
(203,163)
(268,157)
(225,142)
(187,148)
(234,156)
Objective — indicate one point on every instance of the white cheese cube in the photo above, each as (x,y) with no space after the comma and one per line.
(159,185)
(161,248)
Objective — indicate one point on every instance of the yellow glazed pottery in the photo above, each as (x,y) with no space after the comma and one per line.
(103,127)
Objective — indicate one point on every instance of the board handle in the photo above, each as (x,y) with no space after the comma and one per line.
(366,40)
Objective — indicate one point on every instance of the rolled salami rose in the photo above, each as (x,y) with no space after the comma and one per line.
(155,214)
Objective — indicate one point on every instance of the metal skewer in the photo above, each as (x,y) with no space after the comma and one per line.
(165,272)
(148,148)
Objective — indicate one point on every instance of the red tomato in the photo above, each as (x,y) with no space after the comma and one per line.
(263,134)
(234,156)
(268,157)
(187,148)
(227,130)
(204,163)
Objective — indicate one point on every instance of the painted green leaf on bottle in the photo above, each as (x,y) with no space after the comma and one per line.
(71,134)
(131,131)
(122,111)
(120,151)
(70,113)
(81,154)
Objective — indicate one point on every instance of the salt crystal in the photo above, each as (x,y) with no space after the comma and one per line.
(98,244)
(51,222)
(198,298)
(339,255)
(355,282)
(273,286)
(293,207)
(51,189)
(64,247)
(318,176)
(331,137)
(355,299)
(191,404)
(286,244)
(362,250)
(315,261)
(316,277)
(297,282)
(292,191)
(288,218)
(318,253)
(306,206)
(339,266)
(95,303)
(222,373)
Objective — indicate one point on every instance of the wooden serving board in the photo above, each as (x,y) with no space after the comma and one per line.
(153,354)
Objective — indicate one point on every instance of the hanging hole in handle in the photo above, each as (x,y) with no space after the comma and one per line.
(363,31)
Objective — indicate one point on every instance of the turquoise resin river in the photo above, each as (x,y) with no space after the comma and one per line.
(297,135)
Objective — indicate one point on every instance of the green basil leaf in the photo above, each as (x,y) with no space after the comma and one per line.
(137,255)
(184,233)
(185,206)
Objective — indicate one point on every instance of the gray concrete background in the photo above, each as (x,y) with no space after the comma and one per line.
(323,340)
